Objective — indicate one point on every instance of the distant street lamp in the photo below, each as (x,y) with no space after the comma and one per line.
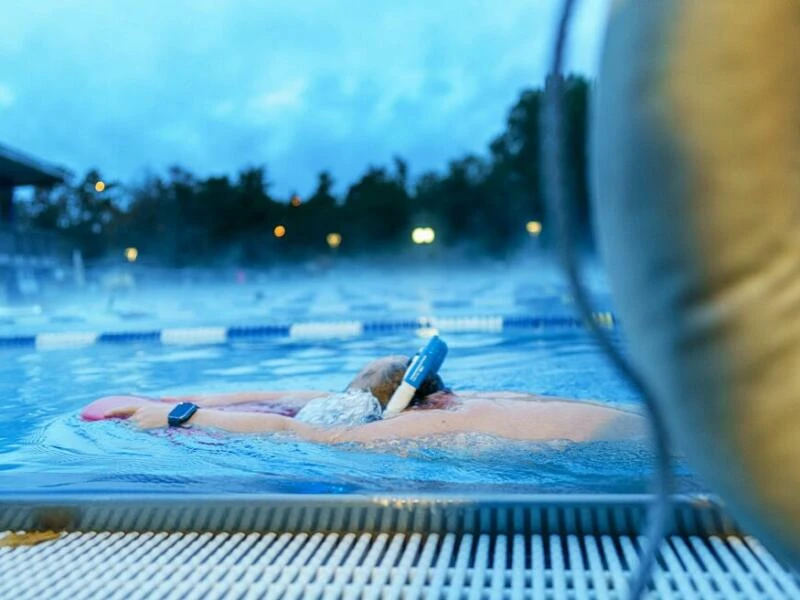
(99,186)
(279,231)
(131,254)
(423,235)
(334,239)
(533,227)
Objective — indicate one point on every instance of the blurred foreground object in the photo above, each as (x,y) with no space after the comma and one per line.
(695,162)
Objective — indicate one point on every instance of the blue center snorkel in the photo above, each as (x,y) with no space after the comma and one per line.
(426,362)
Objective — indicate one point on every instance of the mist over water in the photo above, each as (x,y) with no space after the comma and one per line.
(137,296)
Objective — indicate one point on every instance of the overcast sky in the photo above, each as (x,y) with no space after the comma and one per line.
(134,85)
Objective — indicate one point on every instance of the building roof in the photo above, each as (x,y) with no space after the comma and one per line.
(20,169)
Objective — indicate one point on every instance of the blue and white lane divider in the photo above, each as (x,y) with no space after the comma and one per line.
(303,330)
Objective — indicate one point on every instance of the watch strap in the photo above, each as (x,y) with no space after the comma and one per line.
(181,413)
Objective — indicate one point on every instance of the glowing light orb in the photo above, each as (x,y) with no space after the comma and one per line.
(423,235)
(534,227)
(334,239)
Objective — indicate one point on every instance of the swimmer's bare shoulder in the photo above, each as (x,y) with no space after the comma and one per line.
(471,395)
(407,425)
(519,396)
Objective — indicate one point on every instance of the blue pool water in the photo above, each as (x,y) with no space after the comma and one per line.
(44,446)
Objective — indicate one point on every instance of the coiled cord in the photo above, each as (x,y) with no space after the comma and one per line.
(554,189)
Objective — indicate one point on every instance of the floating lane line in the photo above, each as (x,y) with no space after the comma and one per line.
(323,329)
(194,335)
(301,330)
(66,339)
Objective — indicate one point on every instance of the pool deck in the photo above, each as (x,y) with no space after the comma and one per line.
(303,546)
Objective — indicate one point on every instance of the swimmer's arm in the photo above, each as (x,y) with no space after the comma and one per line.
(299,397)
(244,422)
(405,426)
(156,415)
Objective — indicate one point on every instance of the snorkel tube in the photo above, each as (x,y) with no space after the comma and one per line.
(426,362)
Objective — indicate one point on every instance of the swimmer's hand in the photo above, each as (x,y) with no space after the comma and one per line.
(144,417)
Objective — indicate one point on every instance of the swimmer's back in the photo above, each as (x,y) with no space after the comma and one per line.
(527,417)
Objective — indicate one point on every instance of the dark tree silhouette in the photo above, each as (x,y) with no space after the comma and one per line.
(479,204)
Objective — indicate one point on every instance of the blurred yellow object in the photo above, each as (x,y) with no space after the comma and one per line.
(695,162)
(99,186)
(533,227)
(131,254)
(28,538)
(604,319)
(279,231)
(423,235)
(334,240)
(296,201)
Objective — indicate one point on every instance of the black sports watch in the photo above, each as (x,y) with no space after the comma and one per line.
(182,412)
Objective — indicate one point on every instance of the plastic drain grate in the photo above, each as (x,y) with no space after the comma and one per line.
(413,565)
(327,546)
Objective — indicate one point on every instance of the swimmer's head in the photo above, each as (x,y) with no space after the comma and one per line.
(383,376)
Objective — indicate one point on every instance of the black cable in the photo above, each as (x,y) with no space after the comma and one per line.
(554,188)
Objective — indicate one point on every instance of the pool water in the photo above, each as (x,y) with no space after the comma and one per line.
(44,446)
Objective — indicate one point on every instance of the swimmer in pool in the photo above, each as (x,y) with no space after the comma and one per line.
(434,409)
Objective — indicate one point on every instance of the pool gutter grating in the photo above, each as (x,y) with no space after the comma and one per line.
(342,566)
(353,547)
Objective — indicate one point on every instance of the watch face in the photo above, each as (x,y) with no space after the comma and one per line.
(181,413)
